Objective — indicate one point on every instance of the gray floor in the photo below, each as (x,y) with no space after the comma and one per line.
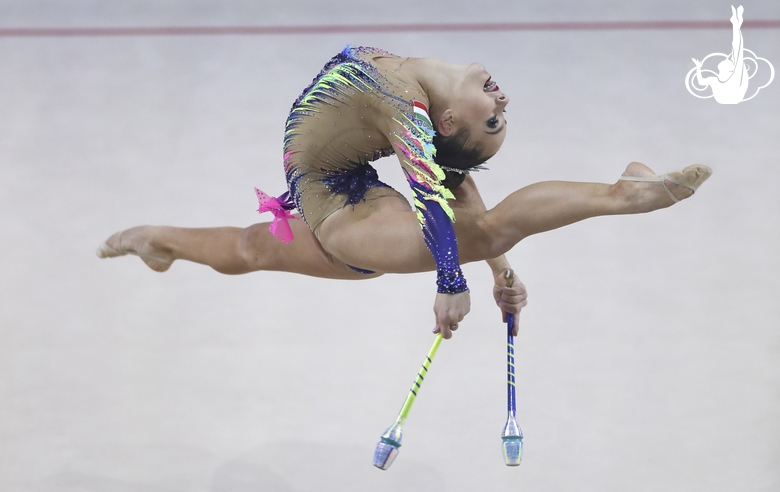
(649,357)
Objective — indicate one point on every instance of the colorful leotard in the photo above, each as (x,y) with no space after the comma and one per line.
(354,112)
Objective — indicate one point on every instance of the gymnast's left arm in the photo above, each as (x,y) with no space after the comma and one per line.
(509,299)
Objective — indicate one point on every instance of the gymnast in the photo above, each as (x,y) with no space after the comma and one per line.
(441,121)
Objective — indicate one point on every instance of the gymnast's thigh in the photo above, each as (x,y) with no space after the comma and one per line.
(304,254)
(381,233)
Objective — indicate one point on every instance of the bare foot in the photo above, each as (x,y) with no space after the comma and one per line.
(138,241)
(650,192)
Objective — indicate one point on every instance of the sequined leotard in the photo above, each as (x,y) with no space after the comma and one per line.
(355,111)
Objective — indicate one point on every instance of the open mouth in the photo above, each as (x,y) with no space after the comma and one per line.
(490,85)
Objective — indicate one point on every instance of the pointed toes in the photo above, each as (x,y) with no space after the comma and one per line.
(699,174)
(106,251)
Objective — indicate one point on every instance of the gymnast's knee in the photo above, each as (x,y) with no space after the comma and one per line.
(494,238)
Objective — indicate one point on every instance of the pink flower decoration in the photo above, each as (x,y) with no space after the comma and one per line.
(280,207)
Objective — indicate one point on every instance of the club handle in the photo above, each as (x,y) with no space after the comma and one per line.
(509,276)
(419,380)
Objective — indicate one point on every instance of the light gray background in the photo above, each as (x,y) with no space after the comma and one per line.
(649,356)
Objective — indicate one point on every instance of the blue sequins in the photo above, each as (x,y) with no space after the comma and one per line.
(353,182)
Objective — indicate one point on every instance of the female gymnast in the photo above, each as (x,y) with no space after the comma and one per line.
(441,120)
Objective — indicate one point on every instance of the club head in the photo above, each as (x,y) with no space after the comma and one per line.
(512,438)
(513,450)
(387,447)
(384,455)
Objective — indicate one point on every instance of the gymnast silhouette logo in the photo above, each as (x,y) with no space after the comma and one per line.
(735,70)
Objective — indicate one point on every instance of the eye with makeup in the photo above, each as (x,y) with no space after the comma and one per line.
(492,122)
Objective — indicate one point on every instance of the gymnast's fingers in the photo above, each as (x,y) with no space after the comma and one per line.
(446,332)
(518,289)
(514,299)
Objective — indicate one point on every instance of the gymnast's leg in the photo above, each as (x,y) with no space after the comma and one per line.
(383,234)
(230,250)
(549,205)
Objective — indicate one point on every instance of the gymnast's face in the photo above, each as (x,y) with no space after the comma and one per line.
(479,105)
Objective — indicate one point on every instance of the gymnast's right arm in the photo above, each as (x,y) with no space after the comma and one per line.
(412,139)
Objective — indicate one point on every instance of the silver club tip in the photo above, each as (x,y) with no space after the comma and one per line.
(513,450)
(385,454)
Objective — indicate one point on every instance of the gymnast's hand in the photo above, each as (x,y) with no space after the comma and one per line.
(450,309)
(510,299)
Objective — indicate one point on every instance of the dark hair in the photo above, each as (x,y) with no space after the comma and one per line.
(457,152)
